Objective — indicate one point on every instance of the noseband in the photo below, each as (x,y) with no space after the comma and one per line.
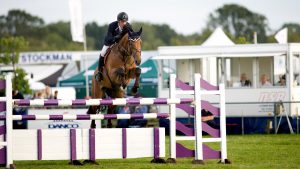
(130,50)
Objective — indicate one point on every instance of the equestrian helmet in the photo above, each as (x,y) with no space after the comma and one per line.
(122,16)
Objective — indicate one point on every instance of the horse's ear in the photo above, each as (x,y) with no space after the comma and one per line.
(140,31)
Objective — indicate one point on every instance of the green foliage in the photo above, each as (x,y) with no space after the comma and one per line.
(10,48)
(20,23)
(293,32)
(20,83)
(239,22)
(241,40)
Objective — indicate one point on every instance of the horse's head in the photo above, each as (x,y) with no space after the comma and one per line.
(135,45)
(131,45)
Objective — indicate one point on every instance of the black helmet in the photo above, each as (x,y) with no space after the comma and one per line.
(122,16)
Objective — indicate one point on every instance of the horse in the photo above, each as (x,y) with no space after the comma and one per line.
(121,66)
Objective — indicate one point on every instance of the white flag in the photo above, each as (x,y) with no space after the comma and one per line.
(76,20)
(282,36)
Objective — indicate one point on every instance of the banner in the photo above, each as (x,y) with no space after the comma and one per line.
(59,124)
(77,27)
(282,36)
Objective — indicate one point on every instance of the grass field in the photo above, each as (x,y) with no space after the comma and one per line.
(248,151)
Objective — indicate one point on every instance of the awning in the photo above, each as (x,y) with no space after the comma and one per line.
(195,52)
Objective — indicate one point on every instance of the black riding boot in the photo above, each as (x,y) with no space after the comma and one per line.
(99,75)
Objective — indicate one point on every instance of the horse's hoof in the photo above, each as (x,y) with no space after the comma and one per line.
(90,162)
(134,91)
(75,162)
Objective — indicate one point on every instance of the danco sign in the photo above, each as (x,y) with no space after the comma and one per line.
(59,124)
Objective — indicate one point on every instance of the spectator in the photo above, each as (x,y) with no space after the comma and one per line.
(139,122)
(48,94)
(19,124)
(208,117)
(244,81)
(55,94)
(281,81)
(139,109)
(123,123)
(39,95)
(264,81)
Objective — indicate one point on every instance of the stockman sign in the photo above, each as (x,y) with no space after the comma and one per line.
(59,124)
(48,57)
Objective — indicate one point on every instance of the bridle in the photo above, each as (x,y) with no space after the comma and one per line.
(130,50)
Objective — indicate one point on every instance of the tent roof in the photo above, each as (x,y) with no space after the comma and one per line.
(149,71)
(78,79)
(218,38)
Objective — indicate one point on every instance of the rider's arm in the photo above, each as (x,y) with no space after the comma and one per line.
(128,27)
(109,39)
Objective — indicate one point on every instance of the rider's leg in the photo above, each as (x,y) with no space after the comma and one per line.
(99,75)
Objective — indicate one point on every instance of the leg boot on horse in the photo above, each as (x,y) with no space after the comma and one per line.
(99,75)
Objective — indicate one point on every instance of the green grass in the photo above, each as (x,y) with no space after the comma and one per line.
(248,151)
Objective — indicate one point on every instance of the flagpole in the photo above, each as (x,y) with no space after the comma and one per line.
(79,35)
(85,63)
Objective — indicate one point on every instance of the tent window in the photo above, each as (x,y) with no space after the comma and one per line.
(265,69)
(280,70)
(296,70)
(238,72)
(169,67)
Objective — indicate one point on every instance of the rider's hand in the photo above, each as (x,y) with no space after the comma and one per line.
(117,37)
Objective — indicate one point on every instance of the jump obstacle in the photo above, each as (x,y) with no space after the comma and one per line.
(76,144)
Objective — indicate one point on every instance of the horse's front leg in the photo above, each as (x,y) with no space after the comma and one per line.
(111,109)
(137,81)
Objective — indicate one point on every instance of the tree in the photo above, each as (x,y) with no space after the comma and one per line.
(293,31)
(10,48)
(19,23)
(96,34)
(239,22)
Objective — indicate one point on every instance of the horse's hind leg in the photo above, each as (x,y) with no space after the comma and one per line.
(110,111)
(118,93)
(92,111)
(97,93)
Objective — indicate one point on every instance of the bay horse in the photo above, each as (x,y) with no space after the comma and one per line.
(121,66)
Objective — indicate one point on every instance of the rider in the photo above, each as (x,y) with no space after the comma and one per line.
(113,36)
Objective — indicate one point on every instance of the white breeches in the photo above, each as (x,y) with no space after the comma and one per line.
(103,51)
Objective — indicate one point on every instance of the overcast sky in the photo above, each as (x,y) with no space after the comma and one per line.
(185,16)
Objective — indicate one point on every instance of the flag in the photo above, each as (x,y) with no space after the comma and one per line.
(282,36)
(76,20)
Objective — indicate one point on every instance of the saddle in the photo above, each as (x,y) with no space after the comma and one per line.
(107,53)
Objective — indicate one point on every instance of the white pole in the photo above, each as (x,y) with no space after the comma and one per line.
(197,119)
(85,63)
(255,37)
(9,126)
(172,94)
(223,124)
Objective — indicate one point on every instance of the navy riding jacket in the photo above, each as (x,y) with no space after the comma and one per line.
(113,31)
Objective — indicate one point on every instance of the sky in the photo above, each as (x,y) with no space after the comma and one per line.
(185,16)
